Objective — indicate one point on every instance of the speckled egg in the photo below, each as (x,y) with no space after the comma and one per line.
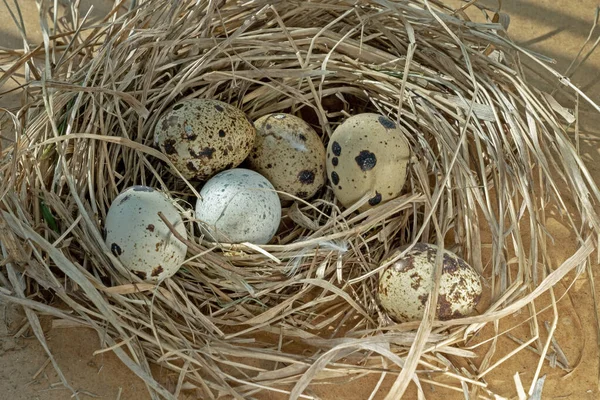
(404,286)
(238,205)
(290,154)
(367,153)
(140,239)
(202,137)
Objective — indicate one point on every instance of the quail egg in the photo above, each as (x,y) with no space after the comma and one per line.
(238,205)
(139,238)
(404,286)
(367,153)
(202,137)
(290,154)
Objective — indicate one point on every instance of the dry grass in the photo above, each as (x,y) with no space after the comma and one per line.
(490,152)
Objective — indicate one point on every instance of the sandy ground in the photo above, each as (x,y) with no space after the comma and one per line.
(556,28)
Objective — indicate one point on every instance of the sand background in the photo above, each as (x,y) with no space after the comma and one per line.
(556,28)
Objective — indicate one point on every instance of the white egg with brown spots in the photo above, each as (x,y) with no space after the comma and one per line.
(238,205)
(367,154)
(140,239)
(202,137)
(290,154)
(404,286)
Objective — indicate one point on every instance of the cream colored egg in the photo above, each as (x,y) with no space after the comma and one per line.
(367,154)
(202,137)
(139,238)
(238,205)
(290,154)
(404,286)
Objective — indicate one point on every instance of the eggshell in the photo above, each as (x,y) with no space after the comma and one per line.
(290,154)
(238,205)
(138,236)
(202,137)
(404,286)
(367,153)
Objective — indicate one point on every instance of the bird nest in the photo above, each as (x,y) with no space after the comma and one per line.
(490,158)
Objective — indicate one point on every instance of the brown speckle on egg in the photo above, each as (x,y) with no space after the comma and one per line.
(169,146)
(221,133)
(150,227)
(157,271)
(140,274)
(335,161)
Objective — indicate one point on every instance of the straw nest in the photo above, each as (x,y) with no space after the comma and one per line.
(490,155)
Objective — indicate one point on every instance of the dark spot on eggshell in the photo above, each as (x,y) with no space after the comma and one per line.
(335,161)
(140,274)
(206,152)
(366,160)
(416,280)
(141,188)
(302,195)
(191,166)
(150,227)
(387,123)
(229,166)
(268,127)
(169,146)
(269,166)
(335,178)
(219,108)
(158,246)
(177,107)
(336,149)
(375,199)
(124,199)
(116,249)
(221,133)
(306,177)
(157,271)
(302,137)
(191,136)
(423,298)
(444,309)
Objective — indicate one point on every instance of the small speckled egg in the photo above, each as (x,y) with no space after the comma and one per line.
(404,286)
(202,137)
(140,239)
(238,205)
(290,154)
(367,153)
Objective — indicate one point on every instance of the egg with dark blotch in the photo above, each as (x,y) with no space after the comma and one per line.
(140,239)
(202,137)
(405,285)
(238,205)
(367,154)
(290,154)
